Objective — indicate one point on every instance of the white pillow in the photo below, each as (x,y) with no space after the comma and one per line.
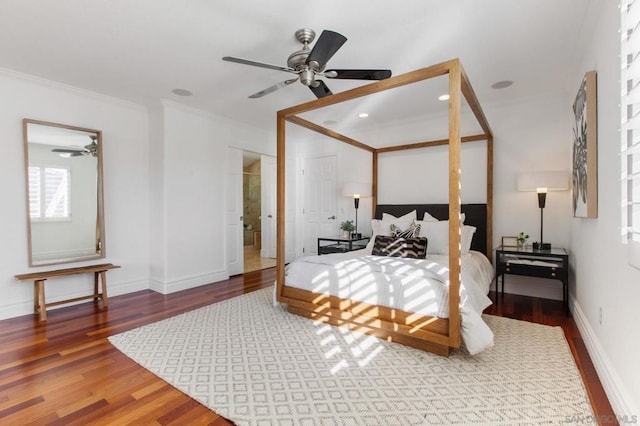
(428,218)
(409,216)
(437,234)
(383,227)
(466,238)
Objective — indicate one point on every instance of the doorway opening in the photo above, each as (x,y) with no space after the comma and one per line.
(254,194)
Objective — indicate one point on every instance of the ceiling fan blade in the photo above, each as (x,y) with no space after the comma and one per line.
(273,88)
(321,90)
(326,46)
(68,151)
(360,74)
(258,64)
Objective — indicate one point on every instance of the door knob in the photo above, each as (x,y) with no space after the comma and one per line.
(269,216)
(331,218)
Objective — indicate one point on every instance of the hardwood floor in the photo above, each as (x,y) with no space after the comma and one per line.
(253,261)
(65,371)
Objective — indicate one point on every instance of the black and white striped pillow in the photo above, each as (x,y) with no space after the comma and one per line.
(386,245)
(412,232)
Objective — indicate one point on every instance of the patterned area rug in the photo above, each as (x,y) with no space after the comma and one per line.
(259,365)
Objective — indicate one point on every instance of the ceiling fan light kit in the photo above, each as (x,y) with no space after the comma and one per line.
(309,64)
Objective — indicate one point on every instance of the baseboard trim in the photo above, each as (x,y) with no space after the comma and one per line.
(186,283)
(25,307)
(620,400)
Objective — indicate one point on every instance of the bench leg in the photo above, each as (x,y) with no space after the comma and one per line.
(40,303)
(105,300)
(36,298)
(96,295)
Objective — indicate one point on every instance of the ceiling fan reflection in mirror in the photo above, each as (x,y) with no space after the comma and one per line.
(90,149)
(309,64)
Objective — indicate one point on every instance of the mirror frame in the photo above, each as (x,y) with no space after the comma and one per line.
(100,233)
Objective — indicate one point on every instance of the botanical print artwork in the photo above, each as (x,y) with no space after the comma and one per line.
(580,152)
(584,149)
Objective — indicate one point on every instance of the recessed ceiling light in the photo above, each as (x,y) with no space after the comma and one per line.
(329,122)
(502,84)
(181,92)
(363,115)
(444,97)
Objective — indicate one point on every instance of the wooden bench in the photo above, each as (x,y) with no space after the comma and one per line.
(38,278)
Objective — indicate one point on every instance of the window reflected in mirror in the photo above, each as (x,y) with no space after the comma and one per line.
(63,168)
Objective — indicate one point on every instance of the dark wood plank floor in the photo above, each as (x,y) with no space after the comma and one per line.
(65,371)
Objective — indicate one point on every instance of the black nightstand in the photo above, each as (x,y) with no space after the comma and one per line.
(328,245)
(552,264)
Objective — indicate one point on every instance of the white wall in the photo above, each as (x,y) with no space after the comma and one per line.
(422,175)
(531,135)
(603,278)
(125,150)
(188,239)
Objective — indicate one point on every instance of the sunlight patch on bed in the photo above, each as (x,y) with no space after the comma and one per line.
(321,282)
(423,303)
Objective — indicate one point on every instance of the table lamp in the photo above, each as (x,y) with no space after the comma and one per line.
(542,182)
(356,190)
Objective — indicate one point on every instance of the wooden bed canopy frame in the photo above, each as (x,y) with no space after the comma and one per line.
(438,335)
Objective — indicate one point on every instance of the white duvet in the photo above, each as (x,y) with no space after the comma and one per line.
(412,285)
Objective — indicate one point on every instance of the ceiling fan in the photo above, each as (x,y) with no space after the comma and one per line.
(90,149)
(310,63)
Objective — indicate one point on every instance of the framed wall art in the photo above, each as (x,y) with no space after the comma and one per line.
(585,149)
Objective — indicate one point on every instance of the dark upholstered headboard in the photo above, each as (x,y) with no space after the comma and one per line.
(475,215)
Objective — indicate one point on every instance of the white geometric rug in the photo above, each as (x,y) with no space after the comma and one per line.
(259,365)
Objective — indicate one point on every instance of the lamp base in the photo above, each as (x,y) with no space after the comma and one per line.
(542,246)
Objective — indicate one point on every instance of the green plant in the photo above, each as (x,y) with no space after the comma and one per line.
(348,226)
(522,237)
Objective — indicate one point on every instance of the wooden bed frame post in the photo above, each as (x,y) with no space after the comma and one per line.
(280,204)
(374,181)
(490,197)
(454,203)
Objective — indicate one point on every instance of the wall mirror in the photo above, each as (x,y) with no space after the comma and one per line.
(63,170)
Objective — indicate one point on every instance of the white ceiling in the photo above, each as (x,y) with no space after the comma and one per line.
(140,50)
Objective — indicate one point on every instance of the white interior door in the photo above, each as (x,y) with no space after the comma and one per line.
(268,211)
(234,231)
(319,177)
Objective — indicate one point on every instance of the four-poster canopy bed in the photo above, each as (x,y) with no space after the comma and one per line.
(429,332)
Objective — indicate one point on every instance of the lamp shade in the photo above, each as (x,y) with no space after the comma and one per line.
(551,180)
(356,189)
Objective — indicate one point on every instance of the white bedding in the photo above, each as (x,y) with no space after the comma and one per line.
(412,285)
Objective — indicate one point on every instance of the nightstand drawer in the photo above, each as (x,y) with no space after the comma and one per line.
(531,270)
